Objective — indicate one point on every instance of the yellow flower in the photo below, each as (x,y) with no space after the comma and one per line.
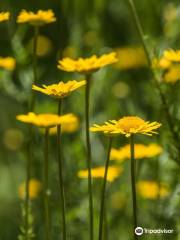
(61,89)
(151,189)
(36,19)
(173,74)
(131,58)
(141,151)
(98,172)
(69,125)
(161,63)
(35,187)
(127,125)
(172,55)
(87,65)
(42,120)
(7,63)
(4,16)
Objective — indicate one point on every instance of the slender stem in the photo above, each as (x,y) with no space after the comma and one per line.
(133,184)
(61,182)
(29,144)
(89,161)
(28,176)
(103,193)
(46,185)
(156,81)
(35,42)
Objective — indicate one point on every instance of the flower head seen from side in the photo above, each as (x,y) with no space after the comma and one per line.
(41,120)
(7,63)
(36,19)
(142,151)
(152,190)
(70,123)
(87,65)
(35,187)
(4,16)
(61,89)
(98,172)
(127,126)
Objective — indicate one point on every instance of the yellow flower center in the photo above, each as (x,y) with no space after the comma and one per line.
(132,122)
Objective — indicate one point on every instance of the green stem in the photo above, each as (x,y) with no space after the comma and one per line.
(35,42)
(133,184)
(46,185)
(89,159)
(103,193)
(60,165)
(156,81)
(28,176)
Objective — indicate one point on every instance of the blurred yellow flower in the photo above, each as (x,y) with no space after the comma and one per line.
(46,120)
(151,189)
(36,19)
(161,63)
(131,58)
(87,65)
(141,151)
(173,74)
(98,172)
(4,16)
(7,63)
(68,125)
(44,46)
(172,55)
(127,125)
(61,89)
(35,187)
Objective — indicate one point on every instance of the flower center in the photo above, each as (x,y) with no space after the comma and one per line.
(132,122)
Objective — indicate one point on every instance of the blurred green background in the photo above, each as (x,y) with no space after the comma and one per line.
(84,28)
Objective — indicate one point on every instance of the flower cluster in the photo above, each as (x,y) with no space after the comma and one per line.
(170,64)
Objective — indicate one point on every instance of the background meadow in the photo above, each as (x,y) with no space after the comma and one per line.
(124,88)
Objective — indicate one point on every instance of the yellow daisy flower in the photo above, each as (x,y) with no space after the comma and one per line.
(7,63)
(127,125)
(141,151)
(61,89)
(87,65)
(151,189)
(69,125)
(4,16)
(35,187)
(42,120)
(36,19)
(172,55)
(173,74)
(98,172)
